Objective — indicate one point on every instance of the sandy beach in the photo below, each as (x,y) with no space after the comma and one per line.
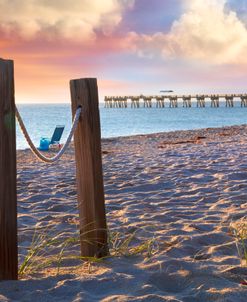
(173,196)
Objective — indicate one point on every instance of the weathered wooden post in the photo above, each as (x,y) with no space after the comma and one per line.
(8,196)
(90,189)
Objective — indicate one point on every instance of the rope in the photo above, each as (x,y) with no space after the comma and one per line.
(36,152)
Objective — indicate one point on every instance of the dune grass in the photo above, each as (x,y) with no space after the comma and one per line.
(239,230)
(49,250)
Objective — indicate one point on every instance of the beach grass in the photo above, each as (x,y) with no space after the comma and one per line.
(239,230)
(49,250)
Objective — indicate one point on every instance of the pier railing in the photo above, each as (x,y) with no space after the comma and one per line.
(172,101)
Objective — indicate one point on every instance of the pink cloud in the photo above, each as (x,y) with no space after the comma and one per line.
(123,63)
(205,32)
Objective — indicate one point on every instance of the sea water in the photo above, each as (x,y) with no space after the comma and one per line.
(41,120)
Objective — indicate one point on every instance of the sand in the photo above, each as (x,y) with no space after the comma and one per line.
(178,191)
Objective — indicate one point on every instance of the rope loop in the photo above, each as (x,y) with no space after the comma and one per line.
(36,152)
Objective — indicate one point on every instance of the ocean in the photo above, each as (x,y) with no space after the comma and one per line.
(41,119)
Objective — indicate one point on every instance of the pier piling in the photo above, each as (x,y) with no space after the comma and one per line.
(215,101)
(229,100)
(147,101)
(173,101)
(243,100)
(160,101)
(187,101)
(200,101)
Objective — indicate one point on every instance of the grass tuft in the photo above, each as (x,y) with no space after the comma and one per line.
(131,244)
(239,230)
(50,250)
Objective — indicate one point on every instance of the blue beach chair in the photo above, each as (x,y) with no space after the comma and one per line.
(57,135)
(55,139)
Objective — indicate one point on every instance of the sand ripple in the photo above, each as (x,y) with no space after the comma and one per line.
(182,195)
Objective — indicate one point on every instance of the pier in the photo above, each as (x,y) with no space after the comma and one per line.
(172,101)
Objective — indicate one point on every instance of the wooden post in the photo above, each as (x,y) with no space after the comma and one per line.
(8,196)
(90,189)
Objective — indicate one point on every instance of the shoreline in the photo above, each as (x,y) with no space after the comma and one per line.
(179,132)
(168,133)
(175,194)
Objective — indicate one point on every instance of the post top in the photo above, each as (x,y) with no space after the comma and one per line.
(5,60)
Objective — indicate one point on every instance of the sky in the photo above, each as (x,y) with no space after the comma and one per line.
(131,46)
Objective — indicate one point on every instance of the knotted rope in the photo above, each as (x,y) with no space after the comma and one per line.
(36,152)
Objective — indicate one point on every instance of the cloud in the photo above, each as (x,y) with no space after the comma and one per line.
(240,7)
(205,32)
(76,20)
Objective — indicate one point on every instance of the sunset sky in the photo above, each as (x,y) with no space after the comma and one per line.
(131,46)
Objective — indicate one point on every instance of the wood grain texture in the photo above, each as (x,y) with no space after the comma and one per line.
(90,189)
(8,198)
